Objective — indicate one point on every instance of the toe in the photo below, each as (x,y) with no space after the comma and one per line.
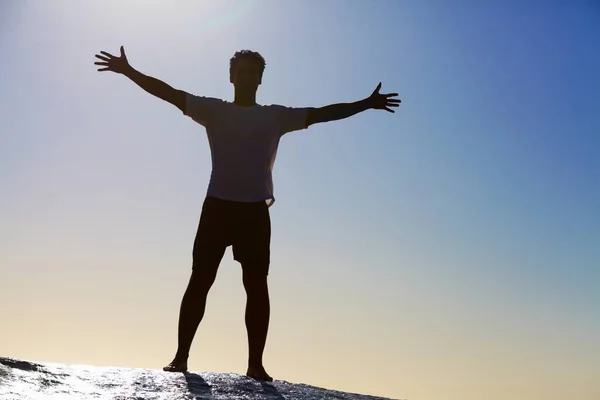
(259,374)
(174,367)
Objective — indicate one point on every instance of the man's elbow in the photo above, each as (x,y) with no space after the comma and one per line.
(314,116)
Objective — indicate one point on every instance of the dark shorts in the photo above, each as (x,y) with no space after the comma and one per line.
(244,226)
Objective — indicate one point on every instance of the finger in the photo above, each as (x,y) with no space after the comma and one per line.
(107,54)
(394,101)
(104,69)
(392,105)
(102,57)
(378,87)
(101,63)
(122,52)
(389,110)
(391,95)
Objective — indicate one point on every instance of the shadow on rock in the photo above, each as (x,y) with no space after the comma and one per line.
(271,391)
(198,386)
(22,365)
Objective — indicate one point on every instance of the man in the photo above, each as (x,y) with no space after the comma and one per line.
(243,138)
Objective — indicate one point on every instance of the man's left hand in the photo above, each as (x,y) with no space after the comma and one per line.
(380,101)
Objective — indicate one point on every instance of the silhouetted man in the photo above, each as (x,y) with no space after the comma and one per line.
(243,138)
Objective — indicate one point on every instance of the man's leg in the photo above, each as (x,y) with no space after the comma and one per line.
(257,321)
(191,313)
(251,248)
(209,248)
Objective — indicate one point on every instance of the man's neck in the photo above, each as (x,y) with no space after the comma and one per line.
(244,99)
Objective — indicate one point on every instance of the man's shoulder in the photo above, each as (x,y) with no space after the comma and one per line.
(203,99)
(202,109)
(203,104)
(276,107)
(280,110)
(289,118)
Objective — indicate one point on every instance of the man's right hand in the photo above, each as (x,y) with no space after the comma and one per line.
(111,63)
(151,85)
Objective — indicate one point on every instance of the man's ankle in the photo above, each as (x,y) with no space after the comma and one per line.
(255,364)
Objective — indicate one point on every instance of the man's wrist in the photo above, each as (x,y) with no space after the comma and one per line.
(128,71)
(366,103)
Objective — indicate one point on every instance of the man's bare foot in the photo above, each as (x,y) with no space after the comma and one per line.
(259,374)
(176,366)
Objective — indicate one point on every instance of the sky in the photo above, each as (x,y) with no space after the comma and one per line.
(448,251)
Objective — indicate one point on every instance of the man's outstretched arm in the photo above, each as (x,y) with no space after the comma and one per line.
(151,85)
(334,112)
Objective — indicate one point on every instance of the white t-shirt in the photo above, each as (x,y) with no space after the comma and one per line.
(243,143)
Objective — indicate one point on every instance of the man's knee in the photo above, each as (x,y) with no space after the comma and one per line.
(202,278)
(255,278)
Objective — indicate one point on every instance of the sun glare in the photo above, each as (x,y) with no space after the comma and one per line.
(148,14)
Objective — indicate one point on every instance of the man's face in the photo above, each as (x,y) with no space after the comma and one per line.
(246,75)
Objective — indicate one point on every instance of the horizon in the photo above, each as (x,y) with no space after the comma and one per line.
(446,251)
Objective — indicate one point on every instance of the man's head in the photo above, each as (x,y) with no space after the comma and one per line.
(246,70)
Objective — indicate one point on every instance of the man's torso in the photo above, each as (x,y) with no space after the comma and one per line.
(243,142)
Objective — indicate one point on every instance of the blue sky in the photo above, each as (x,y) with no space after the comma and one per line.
(460,234)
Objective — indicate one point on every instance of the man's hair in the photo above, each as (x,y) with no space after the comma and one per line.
(248,55)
